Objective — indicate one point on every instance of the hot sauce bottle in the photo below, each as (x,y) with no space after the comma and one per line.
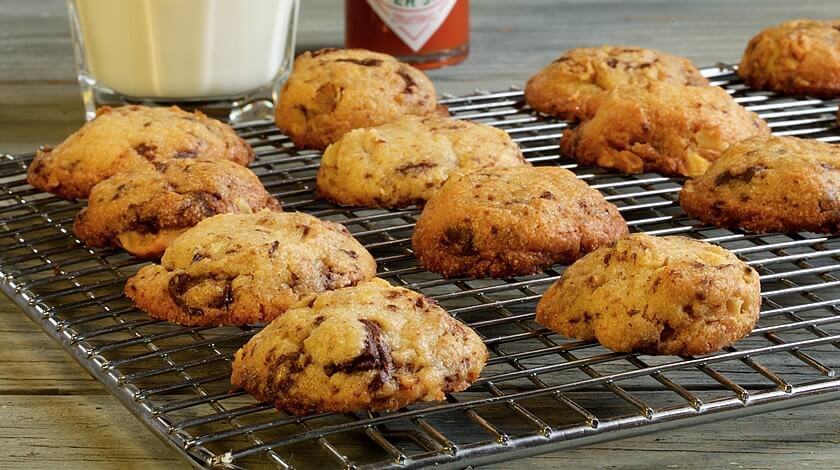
(425,33)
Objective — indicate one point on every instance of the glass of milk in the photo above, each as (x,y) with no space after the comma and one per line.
(228,58)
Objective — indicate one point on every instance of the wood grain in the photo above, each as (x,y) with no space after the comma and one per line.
(54,415)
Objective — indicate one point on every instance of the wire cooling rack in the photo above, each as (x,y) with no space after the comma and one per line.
(539,391)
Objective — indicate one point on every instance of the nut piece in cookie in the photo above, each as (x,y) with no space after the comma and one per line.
(655,295)
(770,184)
(573,86)
(798,57)
(406,162)
(130,137)
(368,347)
(669,129)
(236,269)
(513,221)
(144,209)
(332,91)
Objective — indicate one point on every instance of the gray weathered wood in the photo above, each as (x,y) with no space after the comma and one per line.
(54,414)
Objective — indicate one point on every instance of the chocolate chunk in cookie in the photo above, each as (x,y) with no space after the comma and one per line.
(670,129)
(368,347)
(770,184)
(513,221)
(131,137)
(236,269)
(407,161)
(655,295)
(144,209)
(798,57)
(573,86)
(333,91)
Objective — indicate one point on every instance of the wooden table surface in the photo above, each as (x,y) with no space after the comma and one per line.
(53,414)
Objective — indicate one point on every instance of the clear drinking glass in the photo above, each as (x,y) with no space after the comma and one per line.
(228,58)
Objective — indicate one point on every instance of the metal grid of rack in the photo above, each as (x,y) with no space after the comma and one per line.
(539,391)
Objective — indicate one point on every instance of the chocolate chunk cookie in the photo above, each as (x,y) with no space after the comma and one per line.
(573,86)
(655,295)
(144,209)
(235,269)
(770,184)
(332,91)
(368,347)
(130,137)
(670,129)
(513,221)
(407,161)
(798,57)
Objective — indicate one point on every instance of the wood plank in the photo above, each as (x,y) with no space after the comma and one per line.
(88,432)
(31,363)
(96,432)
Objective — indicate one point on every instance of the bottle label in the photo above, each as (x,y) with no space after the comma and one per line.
(413,21)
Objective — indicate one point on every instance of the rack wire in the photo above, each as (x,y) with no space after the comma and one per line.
(539,391)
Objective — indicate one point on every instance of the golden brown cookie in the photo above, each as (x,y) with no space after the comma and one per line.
(236,269)
(655,295)
(798,57)
(513,221)
(407,161)
(670,129)
(368,347)
(144,209)
(770,184)
(573,86)
(332,91)
(129,137)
